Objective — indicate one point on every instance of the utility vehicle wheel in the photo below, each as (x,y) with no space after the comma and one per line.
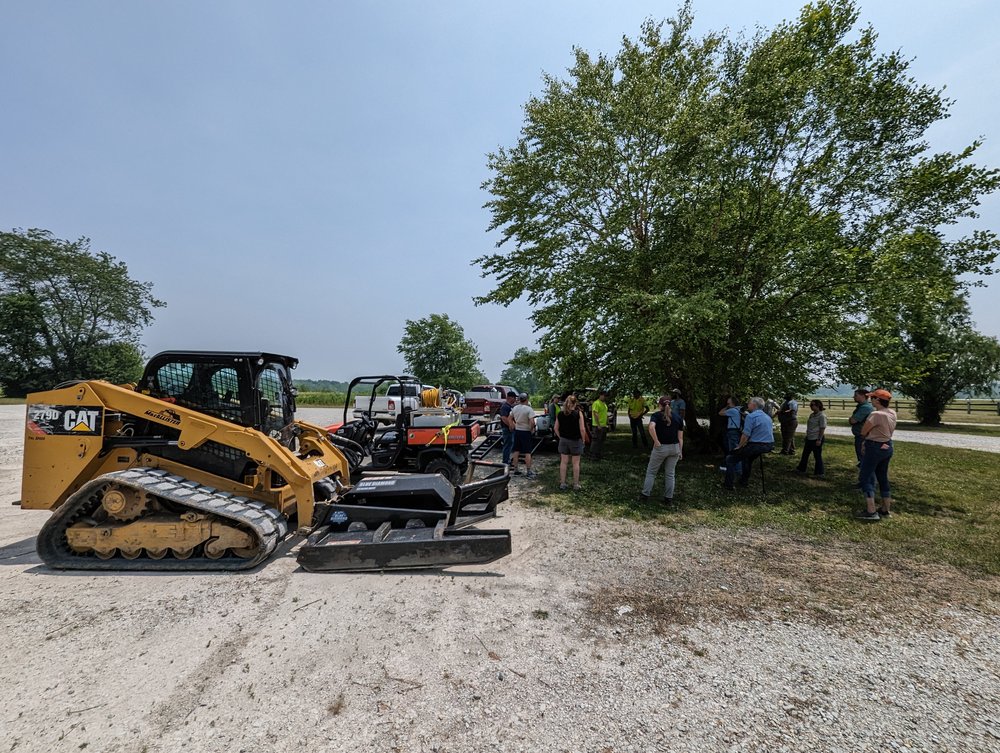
(446,468)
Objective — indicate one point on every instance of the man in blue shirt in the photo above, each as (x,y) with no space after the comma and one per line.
(507,426)
(756,439)
(861,412)
(734,426)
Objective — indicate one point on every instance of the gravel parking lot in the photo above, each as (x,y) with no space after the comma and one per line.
(602,636)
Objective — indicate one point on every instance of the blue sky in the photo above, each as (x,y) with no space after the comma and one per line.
(304,177)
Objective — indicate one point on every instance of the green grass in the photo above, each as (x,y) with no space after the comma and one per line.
(321,399)
(11,401)
(945,500)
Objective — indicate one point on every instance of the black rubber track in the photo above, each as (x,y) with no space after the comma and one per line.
(268,525)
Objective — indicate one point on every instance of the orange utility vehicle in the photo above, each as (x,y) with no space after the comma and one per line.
(430,438)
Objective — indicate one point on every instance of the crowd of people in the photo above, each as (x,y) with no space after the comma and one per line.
(748,434)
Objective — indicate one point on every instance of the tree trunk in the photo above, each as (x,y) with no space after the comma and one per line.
(696,438)
(929,410)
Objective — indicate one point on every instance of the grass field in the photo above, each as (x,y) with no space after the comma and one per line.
(945,510)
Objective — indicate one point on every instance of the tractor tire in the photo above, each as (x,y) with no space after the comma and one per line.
(446,468)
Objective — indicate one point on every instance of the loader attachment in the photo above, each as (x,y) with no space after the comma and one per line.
(395,521)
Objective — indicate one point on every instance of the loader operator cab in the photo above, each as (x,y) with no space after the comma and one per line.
(249,389)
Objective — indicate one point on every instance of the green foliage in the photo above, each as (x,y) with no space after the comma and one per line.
(437,352)
(527,371)
(321,398)
(67,313)
(320,385)
(706,212)
(921,340)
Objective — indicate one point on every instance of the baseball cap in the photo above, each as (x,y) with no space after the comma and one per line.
(881,394)
(522,396)
(664,401)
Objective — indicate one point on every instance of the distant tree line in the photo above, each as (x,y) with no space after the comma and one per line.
(320,385)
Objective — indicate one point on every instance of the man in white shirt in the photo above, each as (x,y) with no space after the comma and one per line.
(522,416)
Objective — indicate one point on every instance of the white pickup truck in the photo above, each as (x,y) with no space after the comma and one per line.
(387,406)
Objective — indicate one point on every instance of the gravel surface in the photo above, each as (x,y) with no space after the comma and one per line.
(940,439)
(601,636)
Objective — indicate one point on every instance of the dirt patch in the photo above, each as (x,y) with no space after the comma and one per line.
(766,577)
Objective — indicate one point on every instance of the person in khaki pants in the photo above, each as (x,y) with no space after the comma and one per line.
(667,431)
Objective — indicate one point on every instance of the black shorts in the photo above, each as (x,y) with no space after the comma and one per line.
(570,446)
(522,441)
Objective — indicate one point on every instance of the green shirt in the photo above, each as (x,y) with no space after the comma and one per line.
(599,413)
(637,407)
(860,415)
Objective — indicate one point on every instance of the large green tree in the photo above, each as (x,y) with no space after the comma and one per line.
(527,371)
(437,352)
(705,212)
(67,313)
(921,340)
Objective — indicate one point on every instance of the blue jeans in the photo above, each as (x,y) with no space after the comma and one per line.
(508,444)
(859,442)
(875,467)
(732,439)
(746,455)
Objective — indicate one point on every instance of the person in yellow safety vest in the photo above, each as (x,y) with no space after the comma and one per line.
(552,410)
(637,408)
(599,425)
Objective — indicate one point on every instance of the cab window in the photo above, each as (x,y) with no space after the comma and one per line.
(271,385)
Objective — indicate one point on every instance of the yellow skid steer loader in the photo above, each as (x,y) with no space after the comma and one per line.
(202,466)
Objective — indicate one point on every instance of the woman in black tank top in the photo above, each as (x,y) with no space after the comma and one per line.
(569,429)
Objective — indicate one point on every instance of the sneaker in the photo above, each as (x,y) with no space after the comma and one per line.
(531,474)
(885,513)
(668,501)
(722,468)
(867,517)
(643,497)
(578,488)
(563,487)
(819,475)
(800,471)
(517,473)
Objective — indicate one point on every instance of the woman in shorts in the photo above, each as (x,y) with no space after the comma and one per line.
(570,430)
